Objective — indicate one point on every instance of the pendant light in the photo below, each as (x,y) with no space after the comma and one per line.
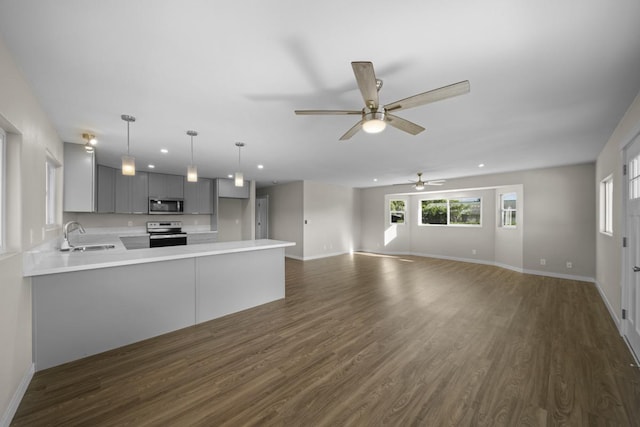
(192,170)
(90,141)
(128,162)
(239,181)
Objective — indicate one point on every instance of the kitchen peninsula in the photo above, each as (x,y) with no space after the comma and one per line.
(85,303)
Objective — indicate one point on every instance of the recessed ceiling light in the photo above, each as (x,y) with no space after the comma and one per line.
(375,179)
(230,175)
(152,166)
(481,165)
(164,150)
(260,166)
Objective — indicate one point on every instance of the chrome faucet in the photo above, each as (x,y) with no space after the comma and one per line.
(68,228)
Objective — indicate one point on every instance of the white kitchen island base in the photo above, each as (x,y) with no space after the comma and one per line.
(85,312)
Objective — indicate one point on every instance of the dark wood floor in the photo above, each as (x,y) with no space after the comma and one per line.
(367,340)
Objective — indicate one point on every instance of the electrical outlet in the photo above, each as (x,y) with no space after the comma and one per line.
(569,264)
(31,235)
(473,251)
(130,223)
(543,261)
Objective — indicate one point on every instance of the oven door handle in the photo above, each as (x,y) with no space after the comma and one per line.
(167,236)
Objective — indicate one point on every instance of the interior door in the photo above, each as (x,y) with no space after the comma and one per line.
(631,291)
(262,217)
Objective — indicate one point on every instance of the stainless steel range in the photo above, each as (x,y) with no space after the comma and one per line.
(166,233)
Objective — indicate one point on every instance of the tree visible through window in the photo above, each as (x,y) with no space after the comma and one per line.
(397,210)
(463,211)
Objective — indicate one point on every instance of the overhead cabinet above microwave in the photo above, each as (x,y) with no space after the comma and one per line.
(164,186)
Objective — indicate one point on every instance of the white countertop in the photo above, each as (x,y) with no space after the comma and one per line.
(48,260)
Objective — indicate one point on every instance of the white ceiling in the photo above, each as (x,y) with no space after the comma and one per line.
(549,81)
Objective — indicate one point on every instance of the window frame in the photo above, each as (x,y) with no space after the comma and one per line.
(503,210)
(403,212)
(606,206)
(448,203)
(3,191)
(52,177)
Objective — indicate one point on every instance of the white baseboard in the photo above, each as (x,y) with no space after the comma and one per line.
(613,314)
(17,397)
(309,258)
(560,275)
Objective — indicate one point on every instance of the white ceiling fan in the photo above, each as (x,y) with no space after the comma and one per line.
(420,184)
(374,117)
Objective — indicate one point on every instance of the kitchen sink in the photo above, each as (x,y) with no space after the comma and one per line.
(86,248)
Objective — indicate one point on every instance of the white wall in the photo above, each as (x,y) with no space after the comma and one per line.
(559,216)
(328,213)
(230,219)
(286,215)
(30,135)
(609,251)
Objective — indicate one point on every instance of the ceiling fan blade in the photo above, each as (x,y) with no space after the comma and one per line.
(404,125)
(326,112)
(435,182)
(352,131)
(445,92)
(367,83)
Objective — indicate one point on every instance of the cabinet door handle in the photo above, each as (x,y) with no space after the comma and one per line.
(636,268)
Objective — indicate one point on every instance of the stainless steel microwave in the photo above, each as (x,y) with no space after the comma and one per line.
(166,206)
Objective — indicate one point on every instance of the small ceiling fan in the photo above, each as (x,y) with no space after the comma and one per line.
(374,117)
(420,184)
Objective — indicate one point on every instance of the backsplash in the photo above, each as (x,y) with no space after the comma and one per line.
(134,223)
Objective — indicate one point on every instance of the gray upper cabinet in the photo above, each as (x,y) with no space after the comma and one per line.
(164,186)
(79,179)
(106,189)
(132,193)
(227,188)
(198,196)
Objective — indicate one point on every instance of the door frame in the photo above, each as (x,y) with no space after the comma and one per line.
(627,262)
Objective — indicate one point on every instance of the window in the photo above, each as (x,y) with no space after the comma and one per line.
(397,210)
(508,203)
(606,205)
(51,193)
(3,189)
(463,211)
(634,178)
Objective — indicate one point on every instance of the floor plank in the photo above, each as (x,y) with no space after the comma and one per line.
(367,339)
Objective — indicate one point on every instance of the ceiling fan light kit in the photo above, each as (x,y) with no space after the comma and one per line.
(375,117)
(374,121)
(90,141)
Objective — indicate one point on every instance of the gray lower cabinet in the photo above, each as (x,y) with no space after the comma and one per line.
(135,242)
(165,186)
(132,193)
(198,197)
(106,189)
(79,179)
(200,238)
(227,188)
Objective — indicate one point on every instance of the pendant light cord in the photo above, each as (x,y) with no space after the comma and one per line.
(128,123)
(192,149)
